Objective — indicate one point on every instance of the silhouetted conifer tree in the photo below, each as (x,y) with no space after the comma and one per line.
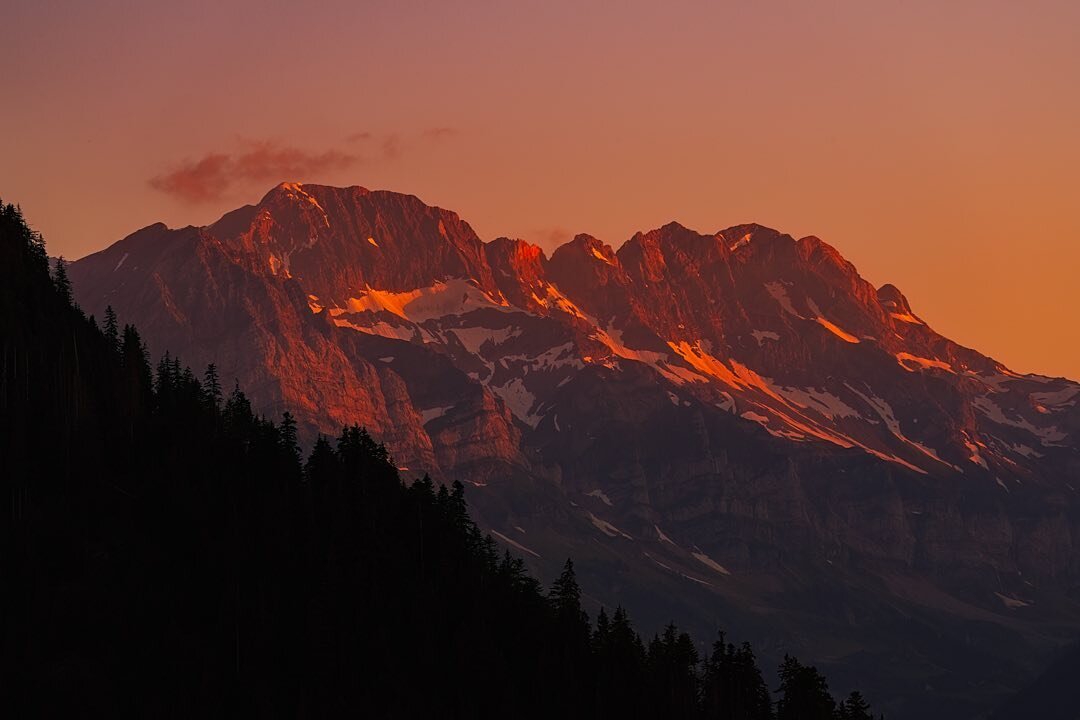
(733,687)
(211,384)
(112,328)
(288,436)
(566,597)
(804,694)
(63,284)
(854,707)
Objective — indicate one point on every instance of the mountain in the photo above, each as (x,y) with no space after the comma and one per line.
(170,554)
(733,427)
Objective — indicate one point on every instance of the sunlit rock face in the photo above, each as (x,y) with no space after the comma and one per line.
(729,427)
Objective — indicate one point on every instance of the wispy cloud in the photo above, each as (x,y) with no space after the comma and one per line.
(211,177)
(258,162)
(199,181)
(550,238)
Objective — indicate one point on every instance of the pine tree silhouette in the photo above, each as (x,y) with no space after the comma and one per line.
(804,694)
(854,707)
(211,385)
(288,436)
(63,284)
(112,328)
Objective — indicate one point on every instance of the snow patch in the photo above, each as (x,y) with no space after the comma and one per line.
(906,317)
(515,544)
(975,456)
(836,330)
(474,338)
(666,567)
(553,297)
(607,528)
(762,335)
(435,412)
(455,296)
(728,403)
(1012,603)
(519,401)
(779,294)
(821,401)
(924,363)
(885,412)
(121,262)
(382,329)
(1058,398)
(1023,450)
(694,579)
(741,242)
(710,563)
(1049,435)
(296,192)
(600,495)
(600,256)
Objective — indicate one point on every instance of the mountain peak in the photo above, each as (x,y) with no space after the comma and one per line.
(893,300)
(672,232)
(585,244)
(515,247)
(674,227)
(281,190)
(739,236)
(310,188)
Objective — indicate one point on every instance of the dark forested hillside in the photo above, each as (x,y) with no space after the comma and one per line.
(171,554)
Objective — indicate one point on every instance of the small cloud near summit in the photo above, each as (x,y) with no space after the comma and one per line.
(260,162)
(550,238)
(211,177)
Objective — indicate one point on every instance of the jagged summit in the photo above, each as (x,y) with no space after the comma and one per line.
(891,297)
(743,313)
(739,236)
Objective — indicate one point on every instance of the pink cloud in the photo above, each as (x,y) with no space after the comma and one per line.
(211,177)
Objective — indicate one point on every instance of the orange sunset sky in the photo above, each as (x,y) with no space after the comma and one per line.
(935,144)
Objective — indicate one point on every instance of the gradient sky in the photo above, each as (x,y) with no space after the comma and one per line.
(935,144)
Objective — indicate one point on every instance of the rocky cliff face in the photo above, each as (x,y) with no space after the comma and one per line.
(730,428)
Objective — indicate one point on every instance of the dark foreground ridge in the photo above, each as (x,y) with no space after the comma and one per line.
(171,554)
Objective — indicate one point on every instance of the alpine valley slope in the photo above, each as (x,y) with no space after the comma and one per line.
(728,429)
